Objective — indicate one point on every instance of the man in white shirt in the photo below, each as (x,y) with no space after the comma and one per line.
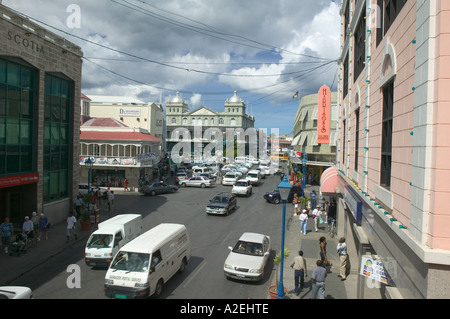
(28,229)
(317,212)
(71,222)
(343,258)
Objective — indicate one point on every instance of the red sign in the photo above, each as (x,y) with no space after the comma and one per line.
(323,123)
(17,180)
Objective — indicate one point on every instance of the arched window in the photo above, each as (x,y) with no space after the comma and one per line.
(212,121)
(184,121)
(174,120)
(233,121)
(221,121)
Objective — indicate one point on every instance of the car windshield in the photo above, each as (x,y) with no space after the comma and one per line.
(230,176)
(252,175)
(219,199)
(248,248)
(100,241)
(244,184)
(130,261)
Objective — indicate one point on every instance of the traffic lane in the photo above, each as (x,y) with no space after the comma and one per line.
(212,235)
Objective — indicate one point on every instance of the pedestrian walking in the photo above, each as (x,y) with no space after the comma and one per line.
(28,229)
(317,215)
(318,278)
(323,251)
(7,230)
(111,201)
(70,229)
(43,225)
(343,258)
(303,221)
(300,271)
(295,202)
(35,220)
(125,185)
(313,198)
(78,202)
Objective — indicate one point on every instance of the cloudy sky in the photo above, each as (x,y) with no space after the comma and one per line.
(266,50)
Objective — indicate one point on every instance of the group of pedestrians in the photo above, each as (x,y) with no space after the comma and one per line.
(319,273)
(32,230)
(323,211)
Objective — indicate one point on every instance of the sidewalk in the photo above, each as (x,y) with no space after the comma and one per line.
(12,267)
(309,243)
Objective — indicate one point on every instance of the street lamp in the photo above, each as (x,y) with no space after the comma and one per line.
(284,188)
(304,174)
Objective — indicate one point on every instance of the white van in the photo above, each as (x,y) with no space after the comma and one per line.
(111,235)
(254,177)
(142,267)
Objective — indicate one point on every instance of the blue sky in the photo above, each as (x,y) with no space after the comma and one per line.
(206,49)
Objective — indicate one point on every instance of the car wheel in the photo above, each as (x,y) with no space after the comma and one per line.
(159,288)
(183,184)
(173,190)
(183,266)
(202,185)
(153,193)
(276,200)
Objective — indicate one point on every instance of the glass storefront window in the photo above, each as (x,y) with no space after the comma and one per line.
(57,159)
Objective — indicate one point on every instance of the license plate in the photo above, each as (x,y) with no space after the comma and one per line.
(92,264)
(120,296)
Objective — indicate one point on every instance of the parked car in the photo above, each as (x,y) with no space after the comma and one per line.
(248,258)
(229,179)
(254,177)
(221,204)
(181,177)
(198,181)
(157,188)
(274,196)
(211,176)
(15,292)
(242,187)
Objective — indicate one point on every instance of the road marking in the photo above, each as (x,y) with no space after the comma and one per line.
(194,274)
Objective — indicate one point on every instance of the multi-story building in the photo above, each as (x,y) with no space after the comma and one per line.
(130,111)
(40,87)
(178,116)
(319,156)
(116,152)
(392,156)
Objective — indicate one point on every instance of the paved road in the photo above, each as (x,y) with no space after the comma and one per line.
(211,235)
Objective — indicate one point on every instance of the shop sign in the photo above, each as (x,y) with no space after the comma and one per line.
(129,112)
(17,180)
(323,123)
(378,270)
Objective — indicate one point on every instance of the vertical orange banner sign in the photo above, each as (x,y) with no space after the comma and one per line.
(323,118)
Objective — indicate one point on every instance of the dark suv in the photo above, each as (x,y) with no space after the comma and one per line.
(221,204)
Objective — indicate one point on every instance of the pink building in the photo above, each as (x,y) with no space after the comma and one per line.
(393,167)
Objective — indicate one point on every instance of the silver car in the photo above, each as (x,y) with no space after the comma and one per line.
(248,258)
(197,181)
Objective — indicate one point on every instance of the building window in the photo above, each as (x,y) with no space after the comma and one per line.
(345,77)
(360,46)
(173,120)
(233,122)
(356,139)
(386,135)
(212,121)
(58,106)
(344,142)
(221,121)
(389,10)
(184,121)
(17,102)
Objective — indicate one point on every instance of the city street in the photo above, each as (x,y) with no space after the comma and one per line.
(210,235)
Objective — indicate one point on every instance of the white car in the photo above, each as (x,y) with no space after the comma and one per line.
(15,292)
(198,181)
(248,258)
(242,187)
(229,179)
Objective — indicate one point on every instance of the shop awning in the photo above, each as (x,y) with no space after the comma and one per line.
(329,181)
